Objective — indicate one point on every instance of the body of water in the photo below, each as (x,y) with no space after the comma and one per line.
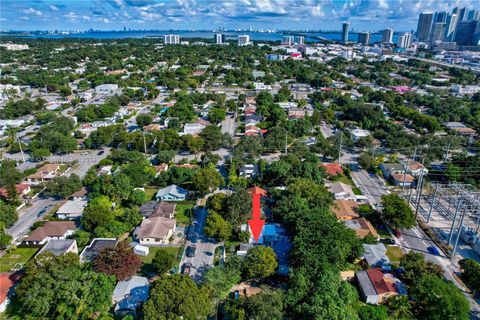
(230,35)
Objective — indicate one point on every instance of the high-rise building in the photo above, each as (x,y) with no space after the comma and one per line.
(244,40)
(466,30)
(171,39)
(288,40)
(440,17)
(300,40)
(450,27)
(219,38)
(437,32)
(472,15)
(345,27)
(424,25)
(364,38)
(405,40)
(462,14)
(387,36)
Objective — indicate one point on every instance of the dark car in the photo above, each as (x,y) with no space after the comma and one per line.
(42,212)
(191,251)
(433,250)
(397,233)
(388,241)
(100,153)
(186,268)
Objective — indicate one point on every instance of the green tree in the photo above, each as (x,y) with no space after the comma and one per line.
(143,120)
(260,262)
(63,186)
(399,307)
(416,267)
(212,137)
(369,312)
(61,288)
(176,297)
(471,273)
(8,214)
(5,239)
(165,156)
(396,213)
(221,278)
(216,227)
(217,115)
(163,261)
(207,179)
(436,298)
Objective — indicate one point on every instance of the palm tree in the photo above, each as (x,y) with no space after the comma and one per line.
(399,307)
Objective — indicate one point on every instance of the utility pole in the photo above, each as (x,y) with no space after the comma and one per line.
(453,222)
(144,142)
(404,176)
(433,203)
(419,194)
(286,142)
(458,234)
(340,147)
(446,152)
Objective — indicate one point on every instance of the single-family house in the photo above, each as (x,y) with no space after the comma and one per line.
(155,231)
(359,133)
(95,246)
(345,209)
(415,168)
(362,227)
(60,247)
(403,180)
(248,171)
(21,188)
(252,130)
(296,113)
(162,167)
(383,286)
(129,295)
(50,230)
(172,193)
(332,169)
(153,209)
(45,173)
(106,88)
(80,195)
(375,255)
(72,209)
(342,191)
(193,128)
(391,168)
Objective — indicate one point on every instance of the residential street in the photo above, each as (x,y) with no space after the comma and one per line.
(27,217)
(372,187)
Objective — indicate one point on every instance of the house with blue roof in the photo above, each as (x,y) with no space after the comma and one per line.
(129,295)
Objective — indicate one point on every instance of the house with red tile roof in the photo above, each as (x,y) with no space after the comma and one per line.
(22,189)
(332,169)
(375,286)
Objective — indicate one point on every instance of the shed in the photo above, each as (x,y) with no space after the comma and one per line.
(141,250)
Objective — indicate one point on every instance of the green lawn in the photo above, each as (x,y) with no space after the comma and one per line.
(150,193)
(147,266)
(183,212)
(394,253)
(16,256)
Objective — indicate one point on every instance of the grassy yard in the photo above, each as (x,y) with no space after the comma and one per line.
(183,212)
(16,256)
(147,261)
(150,193)
(394,254)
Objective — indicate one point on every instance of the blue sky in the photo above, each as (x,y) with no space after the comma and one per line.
(204,14)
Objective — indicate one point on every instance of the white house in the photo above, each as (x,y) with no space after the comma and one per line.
(172,193)
(193,128)
(72,209)
(359,133)
(106,88)
(248,171)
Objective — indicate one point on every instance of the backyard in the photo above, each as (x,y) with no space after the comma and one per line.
(394,253)
(183,212)
(18,256)
(147,260)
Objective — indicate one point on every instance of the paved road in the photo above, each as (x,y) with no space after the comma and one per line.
(326,130)
(205,247)
(371,187)
(28,215)
(229,125)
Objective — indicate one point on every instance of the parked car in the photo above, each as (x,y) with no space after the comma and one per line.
(397,233)
(42,212)
(433,250)
(186,268)
(387,241)
(100,153)
(191,251)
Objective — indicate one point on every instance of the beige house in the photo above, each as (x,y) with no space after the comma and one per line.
(155,231)
(44,173)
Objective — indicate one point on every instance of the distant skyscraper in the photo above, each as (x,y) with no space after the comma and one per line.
(345,27)
(472,15)
(424,25)
(462,14)
(437,32)
(466,30)
(364,38)
(244,40)
(288,40)
(219,38)
(387,35)
(440,17)
(405,40)
(451,26)
(171,39)
(300,40)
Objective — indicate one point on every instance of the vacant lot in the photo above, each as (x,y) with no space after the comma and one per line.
(18,256)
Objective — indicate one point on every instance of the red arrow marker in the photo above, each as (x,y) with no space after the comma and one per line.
(256,223)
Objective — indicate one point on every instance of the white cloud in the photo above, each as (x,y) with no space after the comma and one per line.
(32,11)
(317,11)
(383,4)
(53,7)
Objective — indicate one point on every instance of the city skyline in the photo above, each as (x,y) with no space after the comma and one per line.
(400,15)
